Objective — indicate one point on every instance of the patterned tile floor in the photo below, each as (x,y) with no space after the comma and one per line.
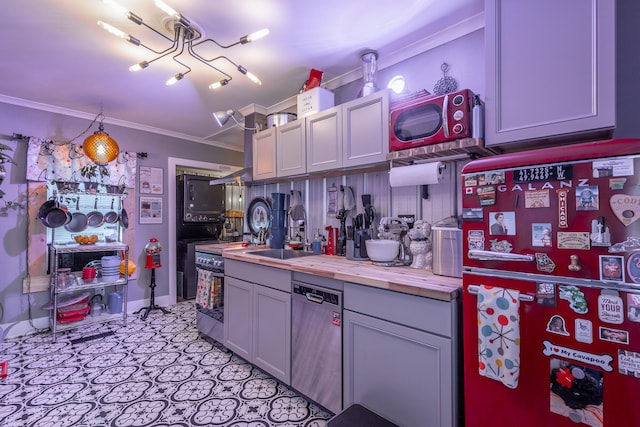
(157,372)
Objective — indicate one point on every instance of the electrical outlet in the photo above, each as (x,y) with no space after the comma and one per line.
(409,219)
(100,291)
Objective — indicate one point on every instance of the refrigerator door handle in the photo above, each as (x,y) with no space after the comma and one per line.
(473,289)
(499,256)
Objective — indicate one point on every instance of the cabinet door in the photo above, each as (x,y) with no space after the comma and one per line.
(291,153)
(550,68)
(272,332)
(264,154)
(366,129)
(324,140)
(404,373)
(238,317)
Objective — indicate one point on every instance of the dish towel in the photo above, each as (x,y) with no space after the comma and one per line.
(205,278)
(499,334)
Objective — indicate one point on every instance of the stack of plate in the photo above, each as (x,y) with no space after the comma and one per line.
(110,268)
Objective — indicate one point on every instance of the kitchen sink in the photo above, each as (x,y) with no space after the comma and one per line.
(282,253)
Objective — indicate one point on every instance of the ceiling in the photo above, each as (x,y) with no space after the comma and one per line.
(59,59)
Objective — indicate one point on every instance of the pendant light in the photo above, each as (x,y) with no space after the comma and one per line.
(100,147)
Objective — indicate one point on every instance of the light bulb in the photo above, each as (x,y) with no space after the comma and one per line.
(173,80)
(255,36)
(216,85)
(253,78)
(139,66)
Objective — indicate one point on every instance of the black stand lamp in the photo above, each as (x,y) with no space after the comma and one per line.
(152,249)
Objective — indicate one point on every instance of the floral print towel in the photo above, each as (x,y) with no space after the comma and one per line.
(499,334)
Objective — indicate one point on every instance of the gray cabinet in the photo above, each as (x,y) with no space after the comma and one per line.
(324,140)
(365,130)
(257,323)
(264,154)
(401,356)
(550,69)
(291,151)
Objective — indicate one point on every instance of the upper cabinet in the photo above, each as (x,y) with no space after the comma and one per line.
(352,134)
(365,130)
(291,151)
(550,69)
(264,154)
(344,136)
(324,140)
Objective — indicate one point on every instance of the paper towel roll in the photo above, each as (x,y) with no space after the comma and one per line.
(421,174)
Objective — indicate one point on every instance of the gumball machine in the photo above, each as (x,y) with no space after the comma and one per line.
(152,250)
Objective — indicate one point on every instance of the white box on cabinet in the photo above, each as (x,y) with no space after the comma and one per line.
(314,100)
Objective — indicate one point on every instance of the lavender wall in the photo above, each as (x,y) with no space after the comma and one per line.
(13,222)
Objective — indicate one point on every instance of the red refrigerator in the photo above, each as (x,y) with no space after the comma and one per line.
(551,297)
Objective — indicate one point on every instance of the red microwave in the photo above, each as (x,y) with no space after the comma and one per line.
(430,119)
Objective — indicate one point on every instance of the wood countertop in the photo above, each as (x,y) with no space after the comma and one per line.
(408,280)
(218,248)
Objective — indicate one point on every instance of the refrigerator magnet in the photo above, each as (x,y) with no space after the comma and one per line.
(617,183)
(475,239)
(629,363)
(575,297)
(536,199)
(584,331)
(587,198)
(633,267)
(600,234)
(546,294)
(563,218)
(611,268)
(610,307)
(633,307)
(556,325)
(487,195)
(544,263)
(614,335)
(472,214)
(626,208)
(541,234)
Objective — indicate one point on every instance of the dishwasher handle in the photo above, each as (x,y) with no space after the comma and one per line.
(314,298)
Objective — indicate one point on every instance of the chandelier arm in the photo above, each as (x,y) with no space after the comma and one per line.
(206,61)
(169,50)
(158,32)
(220,45)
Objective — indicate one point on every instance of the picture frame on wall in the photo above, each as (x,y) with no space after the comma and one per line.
(151,180)
(150,210)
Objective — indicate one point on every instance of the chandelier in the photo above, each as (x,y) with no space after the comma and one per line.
(186,36)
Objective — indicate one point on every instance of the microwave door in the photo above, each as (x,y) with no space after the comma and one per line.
(445,116)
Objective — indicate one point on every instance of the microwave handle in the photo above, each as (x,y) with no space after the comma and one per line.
(445,116)
(191,195)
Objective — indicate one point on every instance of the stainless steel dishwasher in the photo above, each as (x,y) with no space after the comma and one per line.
(316,345)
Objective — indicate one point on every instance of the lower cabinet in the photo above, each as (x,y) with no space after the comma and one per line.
(403,372)
(257,325)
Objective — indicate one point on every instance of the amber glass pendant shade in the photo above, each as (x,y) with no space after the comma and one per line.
(100,147)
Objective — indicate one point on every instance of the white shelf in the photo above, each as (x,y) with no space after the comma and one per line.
(89,320)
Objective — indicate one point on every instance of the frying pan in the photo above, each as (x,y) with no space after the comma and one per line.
(56,216)
(124,217)
(79,221)
(47,206)
(95,217)
(112,216)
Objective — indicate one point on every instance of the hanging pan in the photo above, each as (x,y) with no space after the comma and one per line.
(112,216)
(79,220)
(124,217)
(95,217)
(55,216)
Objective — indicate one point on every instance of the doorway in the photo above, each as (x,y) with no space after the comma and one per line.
(173,167)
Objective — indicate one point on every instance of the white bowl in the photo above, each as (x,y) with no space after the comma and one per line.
(382,250)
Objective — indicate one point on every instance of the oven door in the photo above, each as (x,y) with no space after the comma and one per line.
(209,292)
